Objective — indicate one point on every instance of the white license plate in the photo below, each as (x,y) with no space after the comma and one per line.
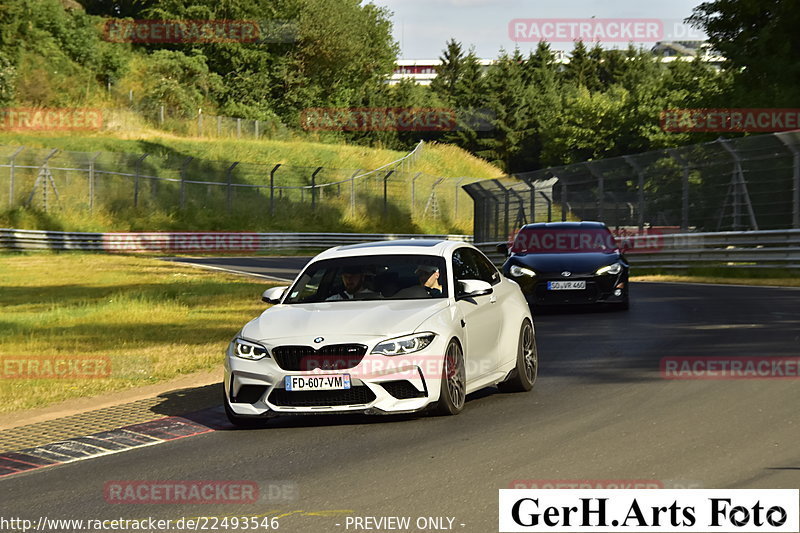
(321,382)
(566,285)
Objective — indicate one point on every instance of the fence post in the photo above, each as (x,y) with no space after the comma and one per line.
(161,115)
(138,171)
(353,192)
(219,126)
(455,198)
(11,176)
(601,195)
(549,206)
(795,179)
(256,129)
(532,197)
(414,192)
(91,181)
(199,122)
(506,209)
(229,178)
(385,192)
(633,164)
(314,188)
(272,189)
(684,188)
(238,128)
(183,181)
(563,200)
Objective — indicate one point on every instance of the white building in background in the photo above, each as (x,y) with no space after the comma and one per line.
(423,71)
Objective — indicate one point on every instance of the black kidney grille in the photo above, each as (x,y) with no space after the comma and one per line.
(359,395)
(331,357)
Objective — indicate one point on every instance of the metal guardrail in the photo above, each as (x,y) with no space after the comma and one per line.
(740,249)
(195,242)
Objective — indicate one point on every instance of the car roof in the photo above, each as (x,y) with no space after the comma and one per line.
(395,247)
(565,225)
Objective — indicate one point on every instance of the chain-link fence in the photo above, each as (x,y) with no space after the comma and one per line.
(750,183)
(51,180)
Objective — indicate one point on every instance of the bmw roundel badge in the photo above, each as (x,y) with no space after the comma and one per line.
(318,340)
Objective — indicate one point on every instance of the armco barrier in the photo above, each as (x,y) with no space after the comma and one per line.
(181,242)
(741,249)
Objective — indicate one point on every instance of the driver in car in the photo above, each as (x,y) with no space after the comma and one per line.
(429,279)
(353,282)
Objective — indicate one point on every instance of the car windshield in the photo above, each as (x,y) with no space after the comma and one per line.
(564,240)
(377,277)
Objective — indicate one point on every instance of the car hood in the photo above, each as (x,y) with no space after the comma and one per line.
(578,263)
(374,318)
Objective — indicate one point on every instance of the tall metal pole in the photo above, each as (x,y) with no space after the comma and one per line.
(138,170)
(229,195)
(314,188)
(385,192)
(684,188)
(183,181)
(91,181)
(638,169)
(11,176)
(272,189)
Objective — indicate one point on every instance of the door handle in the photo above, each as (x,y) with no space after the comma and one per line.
(493,299)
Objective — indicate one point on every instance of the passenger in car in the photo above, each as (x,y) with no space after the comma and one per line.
(429,279)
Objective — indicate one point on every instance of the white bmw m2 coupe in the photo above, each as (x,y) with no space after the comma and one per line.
(384,327)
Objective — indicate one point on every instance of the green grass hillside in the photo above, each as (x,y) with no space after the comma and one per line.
(438,207)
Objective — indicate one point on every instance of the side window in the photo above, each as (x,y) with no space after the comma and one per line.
(464,266)
(488,271)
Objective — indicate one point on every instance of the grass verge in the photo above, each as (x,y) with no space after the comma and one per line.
(140,319)
(725,276)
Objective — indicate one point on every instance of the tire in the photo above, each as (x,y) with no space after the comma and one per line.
(452,392)
(523,377)
(238,420)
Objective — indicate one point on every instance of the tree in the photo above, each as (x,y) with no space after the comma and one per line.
(449,72)
(761,44)
(582,68)
(506,99)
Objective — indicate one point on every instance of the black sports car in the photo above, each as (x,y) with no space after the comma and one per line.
(563,263)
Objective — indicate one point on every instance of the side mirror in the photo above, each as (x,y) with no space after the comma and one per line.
(470,288)
(503,248)
(274,295)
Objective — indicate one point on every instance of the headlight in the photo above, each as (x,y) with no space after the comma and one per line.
(404,345)
(249,350)
(518,271)
(616,268)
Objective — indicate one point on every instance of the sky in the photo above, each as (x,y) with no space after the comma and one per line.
(423,26)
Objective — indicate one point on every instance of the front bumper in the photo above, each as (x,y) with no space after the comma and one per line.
(600,289)
(378,385)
